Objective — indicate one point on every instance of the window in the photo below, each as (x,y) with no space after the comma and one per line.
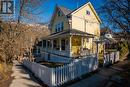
(48,43)
(59,27)
(59,13)
(38,50)
(88,12)
(44,43)
(87,39)
(63,44)
(55,28)
(39,44)
(54,43)
(62,26)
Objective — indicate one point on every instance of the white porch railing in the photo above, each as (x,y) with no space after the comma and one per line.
(64,53)
(55,58)
(60,75)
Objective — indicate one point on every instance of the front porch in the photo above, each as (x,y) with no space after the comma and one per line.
(68,44)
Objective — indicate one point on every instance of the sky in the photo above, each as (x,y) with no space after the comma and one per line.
(48,7)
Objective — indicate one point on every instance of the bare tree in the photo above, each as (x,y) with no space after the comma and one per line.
(13,38)
(115,14)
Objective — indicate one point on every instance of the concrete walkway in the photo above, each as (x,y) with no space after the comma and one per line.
(22,77)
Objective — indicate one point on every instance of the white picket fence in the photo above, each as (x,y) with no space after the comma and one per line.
(111,58)
(58,76)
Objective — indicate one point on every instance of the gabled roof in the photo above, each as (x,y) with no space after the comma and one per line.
(92,8)
(65,11)
(103,38)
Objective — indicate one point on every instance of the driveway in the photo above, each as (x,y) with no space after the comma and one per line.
(22,77)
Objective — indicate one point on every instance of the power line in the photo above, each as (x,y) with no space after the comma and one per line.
(87,21)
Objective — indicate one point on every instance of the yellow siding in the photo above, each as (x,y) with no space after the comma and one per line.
(59,19)
(79,17)
(80,21)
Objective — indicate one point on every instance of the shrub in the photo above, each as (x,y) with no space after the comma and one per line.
(123,48)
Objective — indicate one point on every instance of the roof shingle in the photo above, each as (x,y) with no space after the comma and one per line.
(66,11)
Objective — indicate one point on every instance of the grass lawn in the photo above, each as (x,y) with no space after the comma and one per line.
(5,75)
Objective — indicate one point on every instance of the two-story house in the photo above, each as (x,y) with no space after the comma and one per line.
(72,33)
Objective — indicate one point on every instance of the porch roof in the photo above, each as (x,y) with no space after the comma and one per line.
(69,32)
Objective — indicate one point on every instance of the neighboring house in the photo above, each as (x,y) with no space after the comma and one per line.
(107,38)
(72,33)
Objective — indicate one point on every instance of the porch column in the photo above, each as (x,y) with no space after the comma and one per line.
(82,42)
(97,49)
(60,43)
(70,45)
(51,44)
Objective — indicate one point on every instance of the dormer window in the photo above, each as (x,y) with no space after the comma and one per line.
(88,12)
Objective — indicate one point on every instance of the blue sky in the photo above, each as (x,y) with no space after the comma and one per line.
(48,7)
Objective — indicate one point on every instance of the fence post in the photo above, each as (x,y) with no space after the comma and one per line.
(104,60)
(52,77)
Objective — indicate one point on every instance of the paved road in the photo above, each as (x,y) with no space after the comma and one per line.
(100,79)
(93,81)
(22,77)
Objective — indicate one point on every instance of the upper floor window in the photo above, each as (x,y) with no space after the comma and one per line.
(56,28)
(59,27)
(62,26)
(59,13)
(88,12)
